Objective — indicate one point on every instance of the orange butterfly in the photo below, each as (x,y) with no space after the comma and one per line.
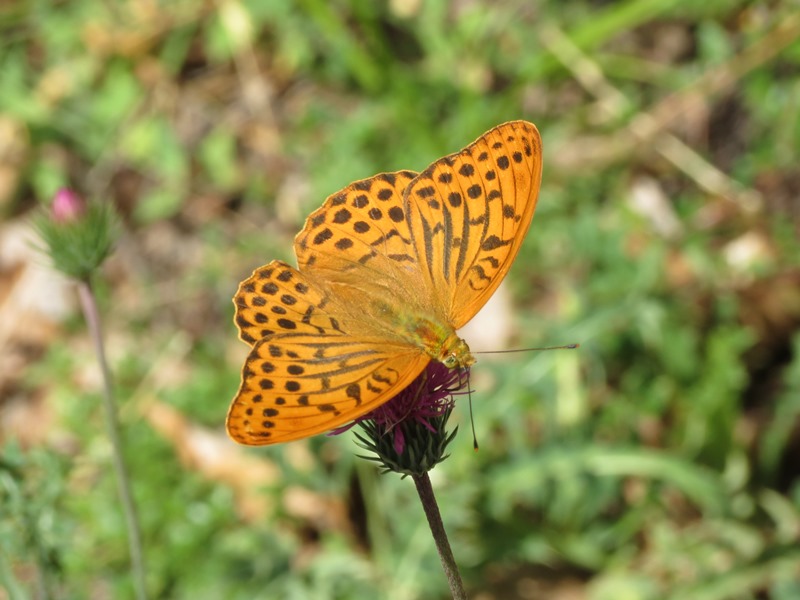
(388,269)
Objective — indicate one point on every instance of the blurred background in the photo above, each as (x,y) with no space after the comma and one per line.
(660,460)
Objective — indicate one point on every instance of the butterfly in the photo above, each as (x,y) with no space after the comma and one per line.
(387,270)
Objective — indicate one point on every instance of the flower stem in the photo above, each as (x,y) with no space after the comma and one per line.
(90,311)
(425,491)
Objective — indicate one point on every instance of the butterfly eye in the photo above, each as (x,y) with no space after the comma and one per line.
(450,361)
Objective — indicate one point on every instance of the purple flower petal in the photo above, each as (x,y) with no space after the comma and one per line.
(429,396)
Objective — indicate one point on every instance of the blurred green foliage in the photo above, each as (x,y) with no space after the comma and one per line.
(657,461)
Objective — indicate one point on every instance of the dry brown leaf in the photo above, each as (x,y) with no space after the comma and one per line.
(213,455)
(34,299)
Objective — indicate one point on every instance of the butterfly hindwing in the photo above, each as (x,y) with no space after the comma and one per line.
(307,373)
(469,212)
(295,385)
(277,298)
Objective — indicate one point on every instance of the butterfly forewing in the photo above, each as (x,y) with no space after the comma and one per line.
(298,385)
(469,212)
(362,227)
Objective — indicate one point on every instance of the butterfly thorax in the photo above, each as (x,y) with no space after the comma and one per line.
(440,342)
(454,353)
(413,324)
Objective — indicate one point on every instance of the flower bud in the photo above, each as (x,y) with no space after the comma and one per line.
(67,206)
(78,235)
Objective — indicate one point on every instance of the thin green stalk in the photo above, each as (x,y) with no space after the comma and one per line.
(89,305)
(425,491)
(44,588)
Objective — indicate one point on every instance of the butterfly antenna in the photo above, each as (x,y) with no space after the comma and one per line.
(469,388)
(567,347)
(472,417)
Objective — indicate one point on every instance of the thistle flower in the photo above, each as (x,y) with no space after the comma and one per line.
(408,433)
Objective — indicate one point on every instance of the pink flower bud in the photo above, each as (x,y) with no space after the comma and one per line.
(67,206)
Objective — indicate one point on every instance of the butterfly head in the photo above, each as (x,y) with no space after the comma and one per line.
(455,354)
